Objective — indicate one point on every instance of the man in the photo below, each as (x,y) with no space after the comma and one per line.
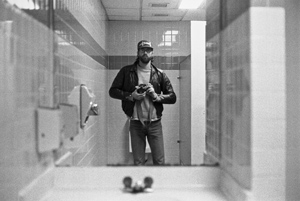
(144,89)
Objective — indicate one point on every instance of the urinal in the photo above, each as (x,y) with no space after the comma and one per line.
(87,105)
(84,98)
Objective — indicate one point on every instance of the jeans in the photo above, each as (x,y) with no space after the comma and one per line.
(154,134)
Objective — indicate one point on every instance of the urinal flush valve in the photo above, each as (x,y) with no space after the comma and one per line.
(94,110)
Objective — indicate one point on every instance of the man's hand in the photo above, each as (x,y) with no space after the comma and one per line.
(138,96)
(150,91)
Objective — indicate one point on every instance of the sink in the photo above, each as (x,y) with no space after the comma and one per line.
(161,194)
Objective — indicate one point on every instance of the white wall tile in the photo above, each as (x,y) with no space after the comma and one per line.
(27,72)
(268,102)
(271,188)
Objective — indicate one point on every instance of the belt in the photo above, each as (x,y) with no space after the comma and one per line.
(146,122)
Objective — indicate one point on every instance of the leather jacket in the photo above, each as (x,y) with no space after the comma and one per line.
(126,80)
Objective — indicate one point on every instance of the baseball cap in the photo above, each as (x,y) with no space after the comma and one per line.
(144,43)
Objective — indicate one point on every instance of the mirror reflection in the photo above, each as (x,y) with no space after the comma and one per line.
(106,83)
(89,48)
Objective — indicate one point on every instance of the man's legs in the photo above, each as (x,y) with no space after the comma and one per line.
(138,142)
(156,142)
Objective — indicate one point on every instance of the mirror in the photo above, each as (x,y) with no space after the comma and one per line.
(89,50)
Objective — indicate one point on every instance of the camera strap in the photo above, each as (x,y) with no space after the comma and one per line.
(140,111)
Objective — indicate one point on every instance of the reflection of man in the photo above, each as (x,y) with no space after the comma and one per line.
(144,89)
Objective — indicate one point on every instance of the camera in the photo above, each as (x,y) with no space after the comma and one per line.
(142,88)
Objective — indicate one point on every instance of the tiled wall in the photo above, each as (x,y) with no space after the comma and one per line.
(25,69)
(245,58)
(171,41)
(40,69)
(268,102)
(213,99)
(236,131)
(83,62)
(213,79)
(228,93)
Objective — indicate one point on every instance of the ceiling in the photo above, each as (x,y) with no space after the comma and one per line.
(151,10)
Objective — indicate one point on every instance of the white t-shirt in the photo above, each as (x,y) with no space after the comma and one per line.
(147,103)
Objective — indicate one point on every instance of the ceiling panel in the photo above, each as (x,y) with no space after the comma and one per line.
(170,3)
(137,10)
(133,4)
(161,18)
(126,18)
(126,12)
(170,12)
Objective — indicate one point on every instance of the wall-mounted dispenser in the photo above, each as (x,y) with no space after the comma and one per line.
(84,99)
(70,120)
(56,124)
(49,129)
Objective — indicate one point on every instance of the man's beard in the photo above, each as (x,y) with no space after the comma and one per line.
(145,59)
